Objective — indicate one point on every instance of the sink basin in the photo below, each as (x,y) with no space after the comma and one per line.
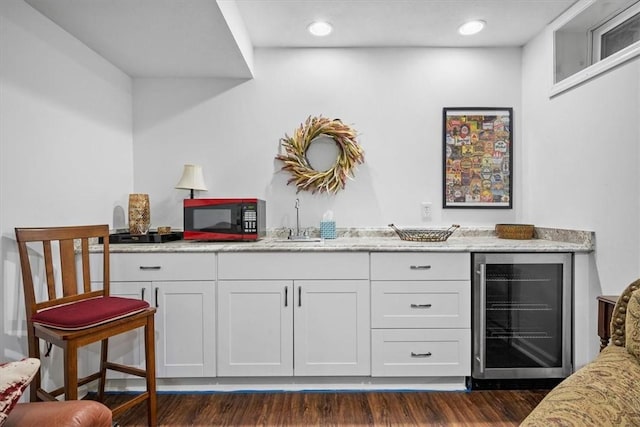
(302,240)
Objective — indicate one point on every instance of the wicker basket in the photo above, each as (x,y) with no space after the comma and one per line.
(424,235)
(515,231)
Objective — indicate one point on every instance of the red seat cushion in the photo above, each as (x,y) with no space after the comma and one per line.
(95,311)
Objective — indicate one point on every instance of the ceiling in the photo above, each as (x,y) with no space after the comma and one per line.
(215,38)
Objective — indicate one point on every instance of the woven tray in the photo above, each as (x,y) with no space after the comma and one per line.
(515,231)
(424,235)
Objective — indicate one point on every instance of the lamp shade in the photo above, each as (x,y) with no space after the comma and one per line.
(192,178)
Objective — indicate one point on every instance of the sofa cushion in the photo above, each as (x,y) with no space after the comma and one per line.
(603,392)
(14,378)
(632,325)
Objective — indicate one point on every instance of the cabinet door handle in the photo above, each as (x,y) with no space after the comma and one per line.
(427,354)
(156,297)
(150,267)
(420,267)
(299,296)
(420,305)
(286,296)
(142,294)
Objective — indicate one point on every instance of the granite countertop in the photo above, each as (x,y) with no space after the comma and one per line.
(462,240)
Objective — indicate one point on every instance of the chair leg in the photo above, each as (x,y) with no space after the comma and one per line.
(150,361)
(70,371)
(104,351)
(34,351)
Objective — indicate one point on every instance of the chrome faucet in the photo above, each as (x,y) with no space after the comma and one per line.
(299,235)
(297,217)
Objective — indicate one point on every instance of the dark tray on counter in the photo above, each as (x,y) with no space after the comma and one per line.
(150,237)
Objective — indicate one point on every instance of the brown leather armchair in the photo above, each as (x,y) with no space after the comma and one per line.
(70,413)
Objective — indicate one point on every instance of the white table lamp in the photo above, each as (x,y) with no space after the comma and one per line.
(192,179)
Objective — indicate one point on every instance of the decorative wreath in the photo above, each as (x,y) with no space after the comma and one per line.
(296,162)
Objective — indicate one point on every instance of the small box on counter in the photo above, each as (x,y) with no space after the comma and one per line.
(328,229)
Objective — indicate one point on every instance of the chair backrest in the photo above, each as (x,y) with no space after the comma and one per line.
(73,243)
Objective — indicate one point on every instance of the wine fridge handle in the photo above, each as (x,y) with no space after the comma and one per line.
(482,310)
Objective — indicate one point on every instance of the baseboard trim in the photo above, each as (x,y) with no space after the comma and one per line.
(293,384)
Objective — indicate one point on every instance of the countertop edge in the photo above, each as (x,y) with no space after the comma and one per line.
(467,240)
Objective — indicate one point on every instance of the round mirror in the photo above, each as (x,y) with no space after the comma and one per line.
(322,153)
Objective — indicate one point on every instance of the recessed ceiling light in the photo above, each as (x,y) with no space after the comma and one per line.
(471,27)
(320,28)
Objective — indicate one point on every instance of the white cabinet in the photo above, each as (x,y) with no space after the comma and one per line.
(308,315)
(182,288)
(421,352)
(331,323)
(127,348)
(255,324)
(420,304)
(420,314)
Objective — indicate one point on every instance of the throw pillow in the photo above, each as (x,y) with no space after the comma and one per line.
(14,379)
(632,325)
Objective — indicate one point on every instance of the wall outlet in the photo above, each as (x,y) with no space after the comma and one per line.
(426,211)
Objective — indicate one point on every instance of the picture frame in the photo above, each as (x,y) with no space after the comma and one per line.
(477,168)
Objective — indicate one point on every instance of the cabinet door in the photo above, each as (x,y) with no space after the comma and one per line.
(332,328)
(185,328)
(255,328)
(128,348)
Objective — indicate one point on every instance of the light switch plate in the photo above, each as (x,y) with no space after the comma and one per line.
(426,211)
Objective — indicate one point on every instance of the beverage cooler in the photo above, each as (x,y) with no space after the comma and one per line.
(522,316)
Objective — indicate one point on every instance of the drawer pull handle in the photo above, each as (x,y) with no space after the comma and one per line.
(150,267)
(420,305)
(427,354)
(420,267)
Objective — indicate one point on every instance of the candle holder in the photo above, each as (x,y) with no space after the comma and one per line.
(139,213)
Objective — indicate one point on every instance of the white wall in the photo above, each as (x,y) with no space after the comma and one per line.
(582,154)
(392,97)
(65,142)
(580,170)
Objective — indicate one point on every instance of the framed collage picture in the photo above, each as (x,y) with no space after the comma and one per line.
(477,157)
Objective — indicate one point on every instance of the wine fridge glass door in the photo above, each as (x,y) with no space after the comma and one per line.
(522,316)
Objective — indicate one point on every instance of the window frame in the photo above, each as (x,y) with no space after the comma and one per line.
(598,32)
(591,71)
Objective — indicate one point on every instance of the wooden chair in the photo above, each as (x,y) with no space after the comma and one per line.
(72,315)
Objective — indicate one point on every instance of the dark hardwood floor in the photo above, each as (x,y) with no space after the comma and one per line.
(475,408)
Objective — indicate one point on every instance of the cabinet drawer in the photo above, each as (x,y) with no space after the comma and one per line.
(420,352)
(420,266)
(427,304)
(293,266)
(137,267)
